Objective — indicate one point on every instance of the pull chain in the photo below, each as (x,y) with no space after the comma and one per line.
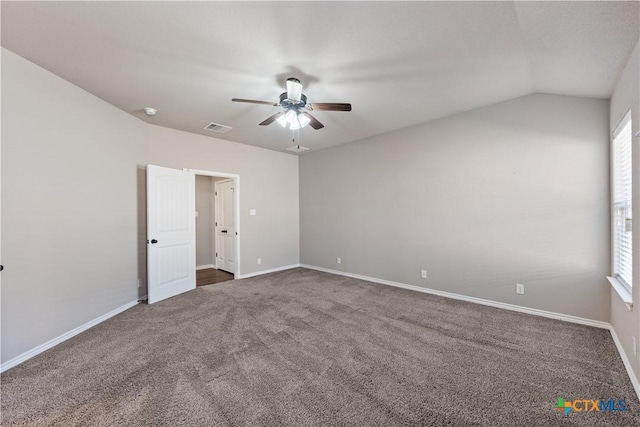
(293,138)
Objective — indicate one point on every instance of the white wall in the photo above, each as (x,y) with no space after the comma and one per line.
(268,183)
(516,192)
(513,193)
(73,203)
(626,96)
(69,206)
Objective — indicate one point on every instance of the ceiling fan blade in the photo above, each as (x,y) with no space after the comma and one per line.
(271,119)
(325,106)
(254,101)
(314,123)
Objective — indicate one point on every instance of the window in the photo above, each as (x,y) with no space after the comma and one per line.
(621,203)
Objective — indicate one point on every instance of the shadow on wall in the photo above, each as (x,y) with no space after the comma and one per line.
(142,229)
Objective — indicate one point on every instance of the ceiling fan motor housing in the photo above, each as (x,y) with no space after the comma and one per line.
(292,103)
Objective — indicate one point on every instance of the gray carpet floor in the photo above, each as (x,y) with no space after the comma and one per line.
(301,347)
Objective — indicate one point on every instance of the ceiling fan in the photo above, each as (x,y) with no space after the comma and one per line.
(295,111)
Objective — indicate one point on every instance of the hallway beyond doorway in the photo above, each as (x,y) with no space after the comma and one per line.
(210,276)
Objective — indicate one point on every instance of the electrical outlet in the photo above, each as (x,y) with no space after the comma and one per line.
(339,260)
(635,347)
(519,289)
(423,274)
(259,261)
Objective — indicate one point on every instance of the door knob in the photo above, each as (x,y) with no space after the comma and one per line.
(154,241)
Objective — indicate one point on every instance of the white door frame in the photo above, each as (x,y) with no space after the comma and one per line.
(236,179)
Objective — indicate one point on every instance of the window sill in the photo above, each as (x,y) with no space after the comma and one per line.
(622,291)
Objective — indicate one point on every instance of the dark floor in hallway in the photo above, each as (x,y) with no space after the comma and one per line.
(210,276)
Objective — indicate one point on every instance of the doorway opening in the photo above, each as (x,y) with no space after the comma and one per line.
(217,219)
(171,230)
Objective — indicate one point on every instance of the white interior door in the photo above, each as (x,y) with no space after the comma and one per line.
(171,232)
(225,226)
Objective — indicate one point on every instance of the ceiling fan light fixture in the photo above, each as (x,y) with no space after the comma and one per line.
(294,123)
(282,120)
(294,89)
(303,120)
(291,116)
(294,119)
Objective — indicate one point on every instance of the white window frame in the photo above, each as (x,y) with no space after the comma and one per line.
(621,207)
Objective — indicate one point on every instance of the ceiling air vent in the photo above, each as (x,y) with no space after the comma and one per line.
(214,127)
(298,149)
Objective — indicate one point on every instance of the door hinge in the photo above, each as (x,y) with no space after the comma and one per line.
(216,193)
(216,254)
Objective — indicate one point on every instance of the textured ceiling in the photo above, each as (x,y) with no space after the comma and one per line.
(398,63)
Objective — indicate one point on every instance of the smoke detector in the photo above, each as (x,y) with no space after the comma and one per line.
(218,128)
(149,111)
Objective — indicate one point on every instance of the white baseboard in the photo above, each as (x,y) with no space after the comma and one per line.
(272,270)
(506,306)
(205,266)
(52,343)
(626,362)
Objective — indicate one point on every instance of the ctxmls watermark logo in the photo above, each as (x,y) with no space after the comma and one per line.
(591,405)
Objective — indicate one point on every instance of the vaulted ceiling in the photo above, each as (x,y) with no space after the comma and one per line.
(398,63)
